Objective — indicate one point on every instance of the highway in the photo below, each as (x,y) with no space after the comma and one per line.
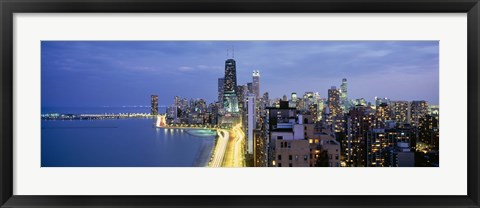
(234,156)
(238,158)
(220,148)
(229,150)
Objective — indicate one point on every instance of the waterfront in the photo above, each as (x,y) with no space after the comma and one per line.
(315,117)
(122,143)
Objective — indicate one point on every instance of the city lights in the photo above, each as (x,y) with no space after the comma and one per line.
(311,118)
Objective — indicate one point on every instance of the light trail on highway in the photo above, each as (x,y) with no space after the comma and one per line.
(228,151)
(234,157)
(220,148)
(238,156)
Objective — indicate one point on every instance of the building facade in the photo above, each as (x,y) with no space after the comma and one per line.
(154,105)
(256,84)
(251,117)
(221,82)
(230,100)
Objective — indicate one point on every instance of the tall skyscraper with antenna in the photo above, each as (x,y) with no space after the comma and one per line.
(230,100)
(230,78)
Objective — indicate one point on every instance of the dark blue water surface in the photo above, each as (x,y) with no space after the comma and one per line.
(120,143)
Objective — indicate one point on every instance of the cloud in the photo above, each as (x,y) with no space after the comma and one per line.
(204,68)
(374,54)
(209,68)
(185,68)
(285,65)
(142,69)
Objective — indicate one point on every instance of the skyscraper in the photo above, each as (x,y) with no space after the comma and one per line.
(335,117)
(344,95)
(251,122)
(250,87)
(419,109)
(230,100)
(401,112)
(230,75)
(266,96)
(154,103)
(241,91)
(379,101)
(383,113)
(256,83)
(176,103)
(294,96)
(334,101)
(221,82)
(359,122)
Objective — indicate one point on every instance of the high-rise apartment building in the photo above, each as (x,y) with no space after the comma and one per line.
(221,82)
(401,112)
(335,114)
(419,109)
(256,84)
(334,101)
(383,113)
(154,105)
(260,149)
(359,122)
(251,117)
(344,95)
(294,96)
(379,101)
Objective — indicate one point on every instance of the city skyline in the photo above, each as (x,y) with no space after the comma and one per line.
(90,73)
(253,123)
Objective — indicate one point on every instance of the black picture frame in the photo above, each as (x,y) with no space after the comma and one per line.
(9,7)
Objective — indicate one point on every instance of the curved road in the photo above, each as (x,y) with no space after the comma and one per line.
(220,148)
(229,150)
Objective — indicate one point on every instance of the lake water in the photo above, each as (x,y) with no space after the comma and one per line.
(122,143)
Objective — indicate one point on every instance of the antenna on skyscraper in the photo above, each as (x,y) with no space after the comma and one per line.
(233,52)
(227,52)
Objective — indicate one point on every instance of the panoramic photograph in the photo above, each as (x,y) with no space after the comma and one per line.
(240,104)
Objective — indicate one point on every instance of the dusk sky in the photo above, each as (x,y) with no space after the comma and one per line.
(124,73)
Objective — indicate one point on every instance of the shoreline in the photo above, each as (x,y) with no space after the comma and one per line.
(207,147)
(205,153)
